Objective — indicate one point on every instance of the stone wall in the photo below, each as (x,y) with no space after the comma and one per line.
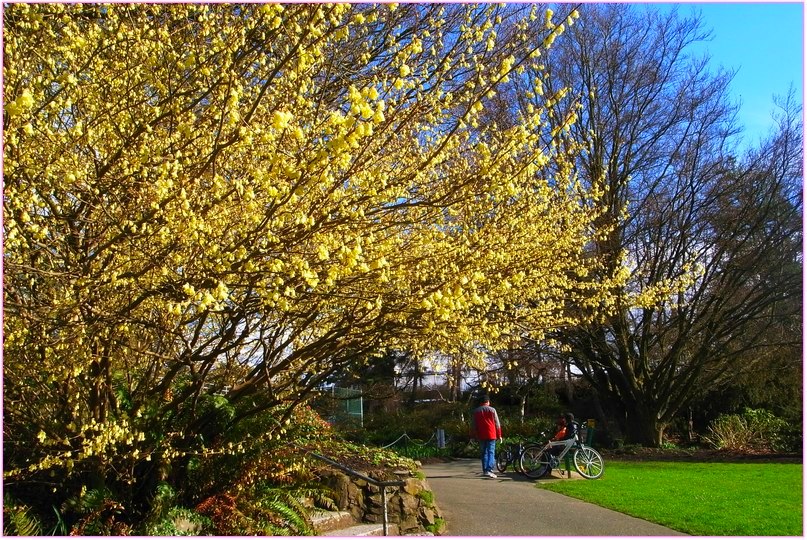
(410,507)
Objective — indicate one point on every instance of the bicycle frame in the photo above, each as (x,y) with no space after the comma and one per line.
(568,444)
(541,459)
(515,449)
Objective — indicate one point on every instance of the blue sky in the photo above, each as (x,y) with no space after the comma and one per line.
(764,43)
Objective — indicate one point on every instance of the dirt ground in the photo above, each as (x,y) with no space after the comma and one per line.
(679,454)
(702,454)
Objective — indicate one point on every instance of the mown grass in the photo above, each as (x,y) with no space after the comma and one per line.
(703,499)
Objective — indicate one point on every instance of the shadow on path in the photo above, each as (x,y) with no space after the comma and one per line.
(511,505)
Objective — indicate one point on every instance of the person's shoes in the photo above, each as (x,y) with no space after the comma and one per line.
(492,474)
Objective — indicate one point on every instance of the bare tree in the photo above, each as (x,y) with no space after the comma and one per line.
(712,243)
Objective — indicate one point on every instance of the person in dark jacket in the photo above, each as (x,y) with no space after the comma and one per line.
(486,429)
(566,429)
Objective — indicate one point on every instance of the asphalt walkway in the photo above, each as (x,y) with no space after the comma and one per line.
(511,505)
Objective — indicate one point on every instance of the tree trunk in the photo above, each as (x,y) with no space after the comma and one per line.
(456,382)
(523,407)
(690,426)
(567,382)
(643,427)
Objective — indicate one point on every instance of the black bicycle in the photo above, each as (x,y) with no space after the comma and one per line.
(509,454)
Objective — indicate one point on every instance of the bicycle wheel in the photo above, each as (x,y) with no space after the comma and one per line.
(534,462)
(503,459)
(588,463)
(517,460)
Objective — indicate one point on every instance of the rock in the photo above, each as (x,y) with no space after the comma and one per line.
(410,525)
(409,504)
(427,515)
(413,486)
(407,508)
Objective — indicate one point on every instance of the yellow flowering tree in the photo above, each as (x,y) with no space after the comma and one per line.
(211,208)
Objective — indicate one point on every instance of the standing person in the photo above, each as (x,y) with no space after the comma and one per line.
(485,428)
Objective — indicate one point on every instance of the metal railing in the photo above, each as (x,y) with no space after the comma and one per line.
(382,484)
(408,439)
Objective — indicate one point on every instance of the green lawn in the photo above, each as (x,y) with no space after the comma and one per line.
(703,499)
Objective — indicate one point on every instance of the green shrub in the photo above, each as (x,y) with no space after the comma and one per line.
(248,481)
(754,429)
(533,428)
(419,422)
(413,450)
(776,433)
(729,432)
(466,448)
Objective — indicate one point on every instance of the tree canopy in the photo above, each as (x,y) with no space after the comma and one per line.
(210,208)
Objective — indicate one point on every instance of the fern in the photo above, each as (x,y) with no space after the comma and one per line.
(267,511)
(155,523)
(279,512)
(180,521)
(164,497)
(18,519)
(88,501)
(322,496)
(293,515)
(99,513)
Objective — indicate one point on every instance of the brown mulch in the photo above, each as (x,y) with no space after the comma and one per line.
(434,459)
(699,454)
(661,454)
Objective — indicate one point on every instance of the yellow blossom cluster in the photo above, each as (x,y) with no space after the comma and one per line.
(249,199)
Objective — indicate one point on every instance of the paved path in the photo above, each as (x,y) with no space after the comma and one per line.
(511,505)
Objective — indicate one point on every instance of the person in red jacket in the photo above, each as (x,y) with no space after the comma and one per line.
(486,429)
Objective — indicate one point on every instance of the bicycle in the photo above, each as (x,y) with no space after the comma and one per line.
(538,460)
(509,454)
